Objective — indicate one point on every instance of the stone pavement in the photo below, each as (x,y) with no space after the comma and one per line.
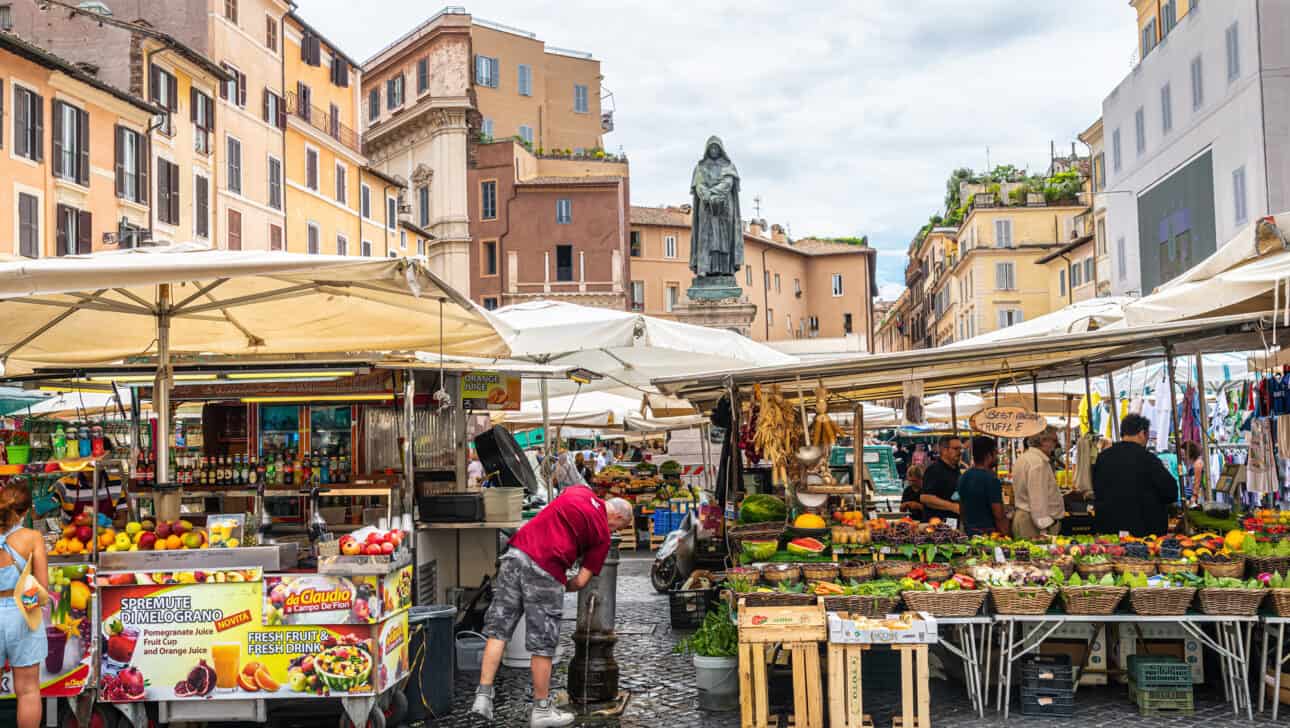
(663,693)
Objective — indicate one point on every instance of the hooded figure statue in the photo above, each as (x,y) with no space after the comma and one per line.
(716,230)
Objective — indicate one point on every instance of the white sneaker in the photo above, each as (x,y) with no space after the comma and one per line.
(483,705)
(546,715)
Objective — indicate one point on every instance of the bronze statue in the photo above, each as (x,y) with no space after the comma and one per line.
(716,229)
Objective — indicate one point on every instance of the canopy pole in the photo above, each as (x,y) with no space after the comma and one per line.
(409,441)
(954,414)
(857,449)
(1113,398)
(1205,440)
(167,503)
(547,470)
(1173,424)
(1070,400)
(1034,391)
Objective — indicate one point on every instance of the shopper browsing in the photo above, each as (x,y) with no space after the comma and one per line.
(1132,490)
(980,492)
(1038,500)
(532,580)
(940,480)
(21,644)
(909,499)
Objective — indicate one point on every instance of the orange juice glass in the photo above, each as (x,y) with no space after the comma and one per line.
(226,656)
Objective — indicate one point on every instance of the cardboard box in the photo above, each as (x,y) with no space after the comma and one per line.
(922,630)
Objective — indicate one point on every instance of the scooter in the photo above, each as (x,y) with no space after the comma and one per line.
(675,558)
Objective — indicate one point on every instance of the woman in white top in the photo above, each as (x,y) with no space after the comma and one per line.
(1038,501)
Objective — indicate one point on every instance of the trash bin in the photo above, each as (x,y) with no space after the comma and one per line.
(430,685)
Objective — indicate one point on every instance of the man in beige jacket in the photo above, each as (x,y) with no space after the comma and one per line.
(1039,506)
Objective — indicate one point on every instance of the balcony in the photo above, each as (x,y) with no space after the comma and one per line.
(324,122)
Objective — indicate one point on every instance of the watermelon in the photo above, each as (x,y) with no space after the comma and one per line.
(806,546)
(758,508)
(760,550)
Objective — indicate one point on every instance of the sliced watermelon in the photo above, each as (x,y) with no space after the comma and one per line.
(806,546)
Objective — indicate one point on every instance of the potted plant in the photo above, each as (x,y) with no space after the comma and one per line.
(18,451)
(715,649)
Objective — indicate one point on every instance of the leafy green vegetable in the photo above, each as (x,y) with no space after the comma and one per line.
(717,637)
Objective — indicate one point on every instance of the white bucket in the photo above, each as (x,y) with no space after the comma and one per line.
(470,651)
(717,679)
(516,655)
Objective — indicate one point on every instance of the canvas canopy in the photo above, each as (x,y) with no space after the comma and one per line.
(1087,315)
(605,410)
(105,307)
(627,349)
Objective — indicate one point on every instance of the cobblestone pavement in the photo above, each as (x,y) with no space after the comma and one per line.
(663,692)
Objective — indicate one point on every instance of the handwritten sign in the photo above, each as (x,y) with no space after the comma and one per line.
(1007,422)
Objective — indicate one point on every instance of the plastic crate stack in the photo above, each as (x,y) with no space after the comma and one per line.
(689,607)
(1048,686)
(1160,685)
(666,522)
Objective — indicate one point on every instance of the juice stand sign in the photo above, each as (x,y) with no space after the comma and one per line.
(66,668)
(208,641)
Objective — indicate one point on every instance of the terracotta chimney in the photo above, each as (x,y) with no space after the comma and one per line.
(777,234)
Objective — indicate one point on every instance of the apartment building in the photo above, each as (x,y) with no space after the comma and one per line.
(1093,222)
(929,257)
(546,96)
(178,151)
(1197,146)
(547,228)
(892,332)
(73,156)
(335,205)
(802,288)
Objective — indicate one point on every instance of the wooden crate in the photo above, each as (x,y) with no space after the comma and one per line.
(915,693)
(627,539)
(799,630)
(846,707)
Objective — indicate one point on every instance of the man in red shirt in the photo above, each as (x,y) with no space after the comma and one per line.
(532,579)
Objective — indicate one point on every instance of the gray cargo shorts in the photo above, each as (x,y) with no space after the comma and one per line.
(523,588)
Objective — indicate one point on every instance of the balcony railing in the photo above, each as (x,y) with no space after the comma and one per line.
(324,122)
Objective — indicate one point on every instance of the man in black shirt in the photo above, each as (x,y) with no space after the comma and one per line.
(941,480)
(901,456)
(1132,489)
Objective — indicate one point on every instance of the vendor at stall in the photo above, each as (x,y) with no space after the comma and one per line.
(909,498)
(1038,500)
(532,580)
(980,492)
(1132,490)
(941,479)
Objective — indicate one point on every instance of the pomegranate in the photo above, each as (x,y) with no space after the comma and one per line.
(200,680)
(132,683)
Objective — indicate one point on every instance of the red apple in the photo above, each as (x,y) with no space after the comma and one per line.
(163,530)
(387,548)
(147,540)
(372,550)
(373,537)
(84,534)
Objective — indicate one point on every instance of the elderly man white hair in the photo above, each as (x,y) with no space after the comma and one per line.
(1038,500)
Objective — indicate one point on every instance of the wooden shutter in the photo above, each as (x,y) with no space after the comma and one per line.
(241,89)
(173,95)
(60,230)
(83,142)
(163,191)
(223,85)
(282,115)
(119,157)
(264,107)
(28,226)
(192,105)
(21,121)
(234,230)
(143,153)
(84,232)
(201,207)
(56,135)
(174,193)
(154,83)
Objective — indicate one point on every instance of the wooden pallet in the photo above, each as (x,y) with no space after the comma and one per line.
(846,697)
(915,693)
(799,630)
(627,539)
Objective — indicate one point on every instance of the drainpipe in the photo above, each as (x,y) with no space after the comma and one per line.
(765,296)
(282,51)
(1070,288)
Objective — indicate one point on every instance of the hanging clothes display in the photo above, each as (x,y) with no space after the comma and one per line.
(1189,423)
(1260,468)
(1085,448)
(1090,414)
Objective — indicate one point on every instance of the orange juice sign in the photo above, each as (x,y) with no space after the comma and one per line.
(490,391)
(1007,422)
(207,641)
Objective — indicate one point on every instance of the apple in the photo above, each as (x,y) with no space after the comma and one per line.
(372,550)
(179,528)
(163,530)
(147,540)
(388,537)
(387,548)
(84,534)
(351,548)
(373,537)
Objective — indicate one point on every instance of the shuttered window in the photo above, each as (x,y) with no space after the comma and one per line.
(167,192)
(525,77)
(275,183)
(73,229)
(234,161)
(234,230)
(487,71)
(1005,276)
(311,169)
(201,207)
(423,75)
(28,225)
(71,141)
(28,124)
(131,165)
(1003,233)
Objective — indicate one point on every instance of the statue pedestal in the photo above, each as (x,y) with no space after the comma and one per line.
(730,311)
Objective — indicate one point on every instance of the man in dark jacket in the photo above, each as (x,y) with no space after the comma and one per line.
(1132,490)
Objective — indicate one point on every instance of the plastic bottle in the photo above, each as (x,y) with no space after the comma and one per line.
(84,446)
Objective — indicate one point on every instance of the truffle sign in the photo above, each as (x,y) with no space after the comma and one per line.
(1007,422)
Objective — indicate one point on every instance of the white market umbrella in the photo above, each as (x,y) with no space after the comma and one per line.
(1077,317)
(190,300)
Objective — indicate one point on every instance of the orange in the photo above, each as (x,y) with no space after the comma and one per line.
(173,542)
(251,667)
(265,681)
(247,683)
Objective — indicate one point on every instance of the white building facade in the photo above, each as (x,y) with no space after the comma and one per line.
(1197,141)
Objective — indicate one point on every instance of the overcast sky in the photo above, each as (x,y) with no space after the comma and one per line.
(844,121)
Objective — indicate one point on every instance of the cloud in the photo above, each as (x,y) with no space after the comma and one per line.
(845,118)
(889,291)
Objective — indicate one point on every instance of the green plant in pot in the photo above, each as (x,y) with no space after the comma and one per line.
(714,647)
(18,450)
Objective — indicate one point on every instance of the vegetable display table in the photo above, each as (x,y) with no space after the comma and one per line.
(1231,641)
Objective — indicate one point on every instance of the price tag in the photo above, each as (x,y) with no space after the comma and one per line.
(998,555)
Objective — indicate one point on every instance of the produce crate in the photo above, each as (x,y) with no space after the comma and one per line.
(689,606)
(1159,671)
(1044,702)
(1048,672)
(1162,701)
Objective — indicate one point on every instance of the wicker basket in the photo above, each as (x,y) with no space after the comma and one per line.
(754,532)
(1177,567)
(1255,565)
(1231,602)
(962,603)
(1134,566)
(856,571)
(1065,565)
(778,599)
(1161,601)
(863,606)
(820,572)
(937,571)
(893,569)
(781,573)
(1092,599)
(1281,601)
(1021,599)
(1097,570)
(1233,569)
